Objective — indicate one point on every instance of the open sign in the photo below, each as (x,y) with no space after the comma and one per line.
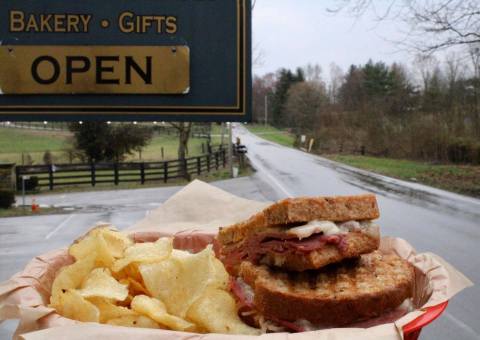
(113,60)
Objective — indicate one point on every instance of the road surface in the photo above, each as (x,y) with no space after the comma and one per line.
(432,220)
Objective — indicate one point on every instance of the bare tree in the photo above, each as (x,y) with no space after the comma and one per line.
(306,101)
(435,24)
(258,56)
(184,130)
(426,65)
(474,53)
(336,80)
(313,73)
(453,68)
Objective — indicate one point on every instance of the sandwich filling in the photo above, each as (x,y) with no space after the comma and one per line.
(301,239)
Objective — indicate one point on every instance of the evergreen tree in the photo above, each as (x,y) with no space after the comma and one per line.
(285,80)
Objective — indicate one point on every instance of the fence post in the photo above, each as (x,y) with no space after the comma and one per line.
(18,180)
(185,168)
(216,161)
(199,165)
(203,148)
(142,173)
(208,162)
(115,173)
(92,172)
(163,153)
(50,176)
(165,172)
(224,158)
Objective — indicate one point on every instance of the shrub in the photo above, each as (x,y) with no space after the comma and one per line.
(47,158)
(463,150)
(31,184)
(7,198)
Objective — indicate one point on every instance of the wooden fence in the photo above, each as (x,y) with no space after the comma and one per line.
(52,176)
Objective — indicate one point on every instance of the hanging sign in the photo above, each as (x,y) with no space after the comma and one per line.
(166,60)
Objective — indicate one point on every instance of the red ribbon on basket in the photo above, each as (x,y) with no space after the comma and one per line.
(412,330)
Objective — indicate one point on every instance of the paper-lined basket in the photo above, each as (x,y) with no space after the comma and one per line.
(193,215)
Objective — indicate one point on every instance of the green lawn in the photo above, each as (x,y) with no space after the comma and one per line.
(20,140)
(463,179)
(272,134)
(14,142)
(27,211)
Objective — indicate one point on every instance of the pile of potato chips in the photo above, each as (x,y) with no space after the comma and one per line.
(148,285)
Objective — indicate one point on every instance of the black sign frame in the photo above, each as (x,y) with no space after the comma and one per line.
(241,112)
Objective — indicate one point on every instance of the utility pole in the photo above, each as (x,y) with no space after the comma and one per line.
(230,149)
(266,110)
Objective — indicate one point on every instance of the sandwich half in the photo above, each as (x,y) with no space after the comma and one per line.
(334,296)
(301,234)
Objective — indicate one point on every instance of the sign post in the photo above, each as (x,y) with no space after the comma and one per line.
(115,60)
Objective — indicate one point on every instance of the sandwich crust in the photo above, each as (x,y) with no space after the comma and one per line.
(303,209)
(355,243)
(335,296)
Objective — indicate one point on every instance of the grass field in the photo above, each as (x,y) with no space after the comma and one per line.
(14,142)
(272,134)
(27,211)
(463,179)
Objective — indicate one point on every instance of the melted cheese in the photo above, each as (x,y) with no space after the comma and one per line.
(316,227)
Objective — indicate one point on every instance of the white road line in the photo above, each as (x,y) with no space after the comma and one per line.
(461,325)
(271,177)
(257,165)
(60,226)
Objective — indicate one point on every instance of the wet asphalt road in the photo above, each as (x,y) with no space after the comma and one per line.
(432,220)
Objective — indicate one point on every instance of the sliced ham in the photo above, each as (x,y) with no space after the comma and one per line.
(280,243)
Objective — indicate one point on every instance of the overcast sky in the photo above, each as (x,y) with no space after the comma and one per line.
(293,33)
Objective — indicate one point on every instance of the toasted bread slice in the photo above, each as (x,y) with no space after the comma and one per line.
(335,296)
(298,210)
(355,243)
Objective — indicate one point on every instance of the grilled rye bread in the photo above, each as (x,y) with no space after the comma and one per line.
(334,296)
(354,244)
(304,209)
(267,236)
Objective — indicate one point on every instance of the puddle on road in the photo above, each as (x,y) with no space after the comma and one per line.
(407,194)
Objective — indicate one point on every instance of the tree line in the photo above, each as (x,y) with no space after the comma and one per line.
(429,110)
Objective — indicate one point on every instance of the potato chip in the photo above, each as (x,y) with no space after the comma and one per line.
(116,241)
(180,280)
(133,271)
(156,310)
(71,277)
(216,311)
(109,311)
(100,283)
(73,306)
(109,245)
(221,277)
(147,285)
(126,302)
(138,321)
(145,253)
(136,288)
(93,243)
